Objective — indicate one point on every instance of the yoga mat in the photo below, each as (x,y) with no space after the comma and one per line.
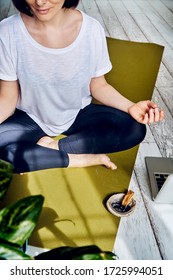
(74,212)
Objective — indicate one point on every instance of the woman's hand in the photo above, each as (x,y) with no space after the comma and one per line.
(146,112)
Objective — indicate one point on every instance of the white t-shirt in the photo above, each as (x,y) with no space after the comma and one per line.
(54,83)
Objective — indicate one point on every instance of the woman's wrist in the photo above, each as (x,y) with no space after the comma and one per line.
(130,105)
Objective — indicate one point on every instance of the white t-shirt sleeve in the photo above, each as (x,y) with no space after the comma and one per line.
(7,55)
(102,61)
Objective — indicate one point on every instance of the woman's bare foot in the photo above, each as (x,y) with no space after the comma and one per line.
(48,142)
(85,160)
(79,160)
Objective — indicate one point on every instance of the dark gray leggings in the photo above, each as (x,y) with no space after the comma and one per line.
(97,129)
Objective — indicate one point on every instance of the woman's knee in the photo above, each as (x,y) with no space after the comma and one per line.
(9,135)
(132,134)
(138,132)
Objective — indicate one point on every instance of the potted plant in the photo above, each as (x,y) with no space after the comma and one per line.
(18,220)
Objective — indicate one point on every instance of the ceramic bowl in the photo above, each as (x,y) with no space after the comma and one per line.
(113,199)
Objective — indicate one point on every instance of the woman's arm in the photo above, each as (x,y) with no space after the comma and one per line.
(143,111)
(107,95)
(9,92)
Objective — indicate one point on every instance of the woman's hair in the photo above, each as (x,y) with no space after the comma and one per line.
(23,7)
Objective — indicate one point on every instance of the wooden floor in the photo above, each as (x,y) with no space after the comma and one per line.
(148,233)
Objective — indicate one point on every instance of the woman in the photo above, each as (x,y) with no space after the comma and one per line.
(54,58)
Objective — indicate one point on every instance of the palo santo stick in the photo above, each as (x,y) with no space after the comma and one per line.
(127,198)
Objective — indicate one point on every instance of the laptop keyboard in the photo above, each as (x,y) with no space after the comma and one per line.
(160,179)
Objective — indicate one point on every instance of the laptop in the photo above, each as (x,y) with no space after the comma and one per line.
(160,173)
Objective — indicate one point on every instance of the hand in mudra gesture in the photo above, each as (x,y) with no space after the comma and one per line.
(146,112)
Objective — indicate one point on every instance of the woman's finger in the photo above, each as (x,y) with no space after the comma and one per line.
(161,115)
(156,115)
(144,120)
(151,116)
(151,104)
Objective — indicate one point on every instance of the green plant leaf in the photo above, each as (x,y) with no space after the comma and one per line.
(6,174)
(99,256)
(9,252)
(90,252)
(18,220)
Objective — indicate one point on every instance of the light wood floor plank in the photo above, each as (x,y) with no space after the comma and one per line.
(163,11)
(80,6)
(91,8)
(158,21)
(146,25)
(132,30)
(168,60)
(164,76)
(111,21)
(163,131)
(167,95)
(134,240)
(168,4)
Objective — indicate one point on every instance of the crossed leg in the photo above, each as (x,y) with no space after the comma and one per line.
(96,131)
(79,160)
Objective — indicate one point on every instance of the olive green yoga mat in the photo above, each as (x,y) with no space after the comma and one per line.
(74,212)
